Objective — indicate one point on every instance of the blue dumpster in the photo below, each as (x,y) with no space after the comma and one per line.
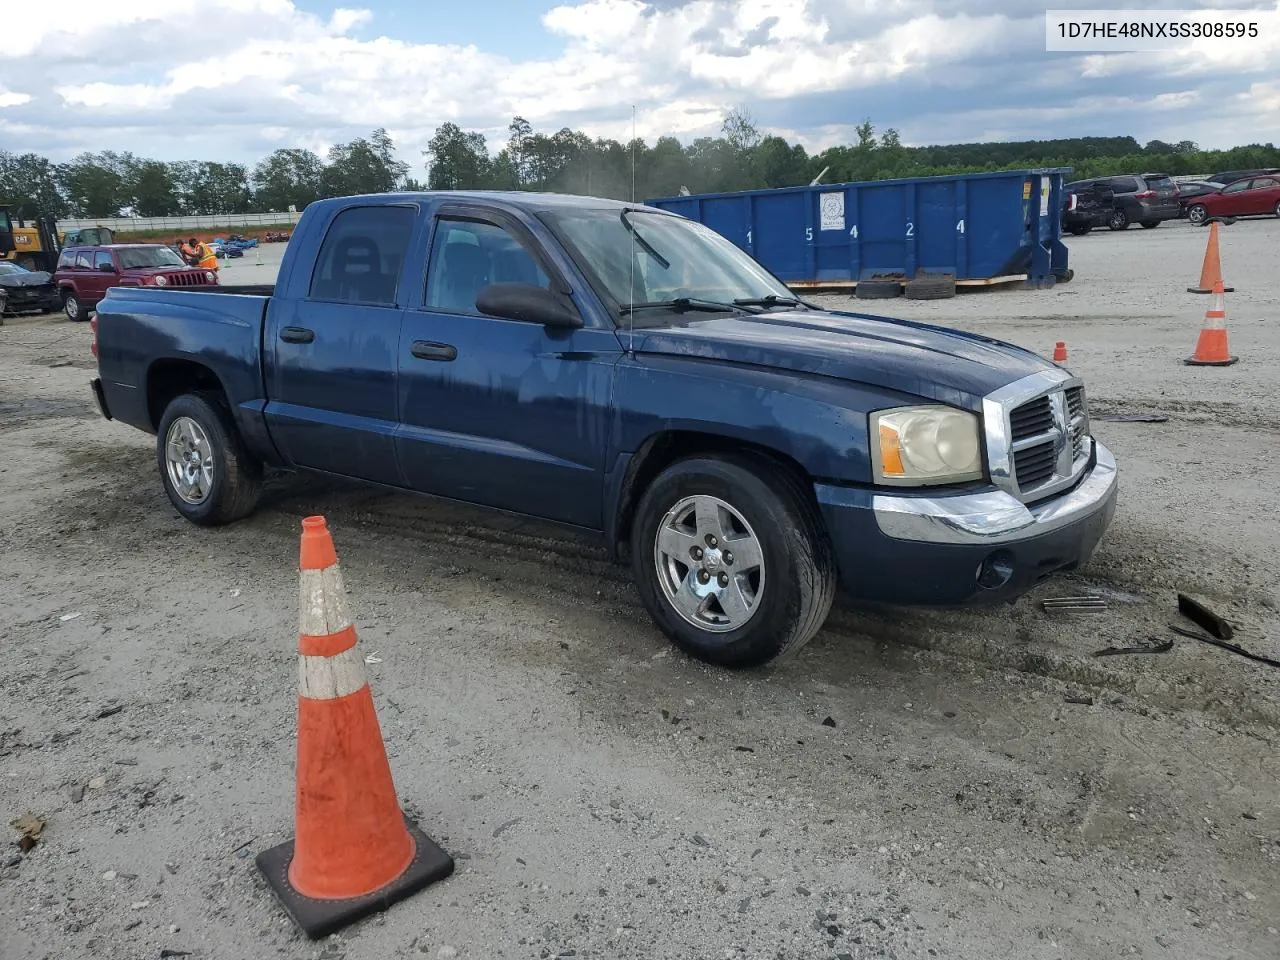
(979,228)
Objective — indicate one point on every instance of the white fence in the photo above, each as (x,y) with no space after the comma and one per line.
(178,224)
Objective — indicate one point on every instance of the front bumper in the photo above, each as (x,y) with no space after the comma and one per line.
(965,548)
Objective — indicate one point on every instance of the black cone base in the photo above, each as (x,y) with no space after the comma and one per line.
(1209,289)
(319,918)
(1193,362)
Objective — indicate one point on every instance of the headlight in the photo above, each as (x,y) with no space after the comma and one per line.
(917,446)
(160,280)
(211,276)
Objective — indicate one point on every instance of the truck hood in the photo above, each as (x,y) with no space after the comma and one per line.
(949,366)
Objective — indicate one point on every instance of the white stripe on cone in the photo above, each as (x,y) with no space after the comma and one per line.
(328,678)
(322,602)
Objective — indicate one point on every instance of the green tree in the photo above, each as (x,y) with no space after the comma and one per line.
(457,159)
(31,185)
(287,178)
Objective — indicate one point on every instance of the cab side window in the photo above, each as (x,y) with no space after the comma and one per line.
(361,257)
(466,256)
(84,260)
(1238,187)
(66,259)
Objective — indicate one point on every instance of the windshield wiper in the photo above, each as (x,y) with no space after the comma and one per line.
(682,304)
(772,300)
(644,244)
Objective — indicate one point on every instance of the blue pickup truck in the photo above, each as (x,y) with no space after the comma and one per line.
(628,372)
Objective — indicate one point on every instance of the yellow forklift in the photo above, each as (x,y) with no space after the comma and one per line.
(35,247)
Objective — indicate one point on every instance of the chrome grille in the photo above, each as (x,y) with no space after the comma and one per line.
(1038,434)
(1031,418)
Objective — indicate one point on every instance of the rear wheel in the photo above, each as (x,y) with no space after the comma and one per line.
(731,560)
(1277,209)
(72,307)
(208,475)
(1119,220)
(1197,213)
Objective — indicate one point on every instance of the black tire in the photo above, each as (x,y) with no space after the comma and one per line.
(877,289)
(1081,229)
(1066,276)
(1150,224)
(930,288)
(1197,213)
(1119,220)
(1277,209)
(798,563)
(237,476)
(73,308)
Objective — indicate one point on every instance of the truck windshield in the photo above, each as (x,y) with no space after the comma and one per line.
(138,258)
(655,259)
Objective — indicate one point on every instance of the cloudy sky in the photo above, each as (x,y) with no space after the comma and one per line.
(235,79)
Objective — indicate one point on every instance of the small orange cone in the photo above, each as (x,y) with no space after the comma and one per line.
(354,852)
(1060,351)
(1211,271)
(1211,348)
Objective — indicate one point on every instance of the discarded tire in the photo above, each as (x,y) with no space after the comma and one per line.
(930,288)
(877,289)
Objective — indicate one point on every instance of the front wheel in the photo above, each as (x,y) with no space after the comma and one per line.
(1150,224)
(209,476)
(731,560)
(1277,209)
(1198,213)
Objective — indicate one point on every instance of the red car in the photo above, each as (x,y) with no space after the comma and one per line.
(85,273)
(1257,196)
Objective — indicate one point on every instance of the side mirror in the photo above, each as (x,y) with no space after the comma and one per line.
(106,268)
(528,303)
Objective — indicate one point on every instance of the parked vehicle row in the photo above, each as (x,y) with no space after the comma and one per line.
(1150,199)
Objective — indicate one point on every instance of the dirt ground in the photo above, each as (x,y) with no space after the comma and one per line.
(913,785)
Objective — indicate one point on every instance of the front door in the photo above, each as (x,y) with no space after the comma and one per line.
(331,371)
(497,412)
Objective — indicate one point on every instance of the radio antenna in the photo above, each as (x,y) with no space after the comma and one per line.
(631,311)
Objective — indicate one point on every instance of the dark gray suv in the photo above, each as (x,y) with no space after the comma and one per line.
(1148,199)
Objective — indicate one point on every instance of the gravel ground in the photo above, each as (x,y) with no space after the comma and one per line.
(913,785)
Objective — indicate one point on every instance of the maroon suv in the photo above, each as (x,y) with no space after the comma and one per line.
(85,273)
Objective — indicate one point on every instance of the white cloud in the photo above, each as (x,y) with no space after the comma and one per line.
(245,76)
(10,99)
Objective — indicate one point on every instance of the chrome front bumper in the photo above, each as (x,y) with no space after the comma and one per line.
(993,516)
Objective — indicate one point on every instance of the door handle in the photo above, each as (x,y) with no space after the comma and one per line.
(428,350)
(297,335)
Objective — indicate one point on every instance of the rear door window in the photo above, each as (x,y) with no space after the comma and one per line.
(362,254)
(1266,183)
(102,259)
(1125,184)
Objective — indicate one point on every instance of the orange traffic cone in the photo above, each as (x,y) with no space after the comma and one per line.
(354,852)
(1060,351)
(1211,271)
(1211,348)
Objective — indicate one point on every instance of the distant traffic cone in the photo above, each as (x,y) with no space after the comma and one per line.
(354,851)
(1060,351)
(1211,348)
(1211,271)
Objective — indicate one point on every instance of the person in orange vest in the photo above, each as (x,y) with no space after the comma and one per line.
(208,260)
(189,251)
